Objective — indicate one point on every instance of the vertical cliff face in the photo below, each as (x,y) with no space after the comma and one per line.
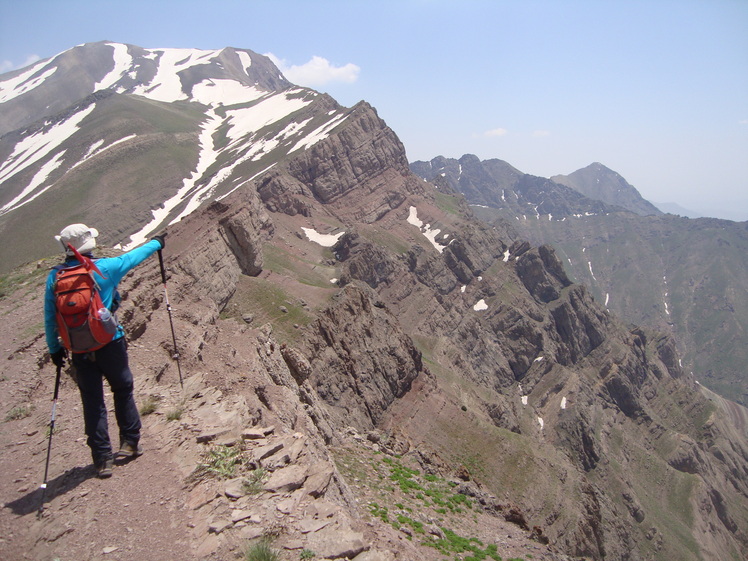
(363,159)
(363,151)
(360,359)
(224,243)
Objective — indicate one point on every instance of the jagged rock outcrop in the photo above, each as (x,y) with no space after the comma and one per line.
(360,359)
(542,274)
(364,261)
(282,193)
(363,150)
(579,324)
(364,154)
(231,249)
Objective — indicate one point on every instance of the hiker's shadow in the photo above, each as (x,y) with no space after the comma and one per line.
(56,487)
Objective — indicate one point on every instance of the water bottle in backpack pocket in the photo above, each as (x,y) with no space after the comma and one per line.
(108,320)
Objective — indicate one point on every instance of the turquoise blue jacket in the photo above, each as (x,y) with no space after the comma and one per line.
(113,269)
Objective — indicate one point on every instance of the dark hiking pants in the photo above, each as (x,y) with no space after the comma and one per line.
(109,362)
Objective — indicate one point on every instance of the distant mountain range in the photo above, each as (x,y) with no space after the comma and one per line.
(686,277)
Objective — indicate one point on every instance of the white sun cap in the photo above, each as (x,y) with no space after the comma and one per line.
(80,236)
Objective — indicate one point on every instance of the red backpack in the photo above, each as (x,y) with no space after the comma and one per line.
(79,308)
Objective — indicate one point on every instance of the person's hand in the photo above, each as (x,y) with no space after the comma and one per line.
(58,358)
(161,239)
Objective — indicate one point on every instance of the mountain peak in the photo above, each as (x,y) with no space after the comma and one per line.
(228,75)
(103,116)
(598,181)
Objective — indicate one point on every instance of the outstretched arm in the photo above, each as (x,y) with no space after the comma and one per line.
(114,268)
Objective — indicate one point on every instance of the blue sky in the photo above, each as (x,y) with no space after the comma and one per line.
(657,90)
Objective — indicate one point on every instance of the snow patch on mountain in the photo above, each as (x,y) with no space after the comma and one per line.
(95,150)
(166,84)
(31,192)
(24,82)
(35,147)
(91,151)
(426,230)
(224,91)
(271,109)
(245,60)
(325,240)
(589,264)
(122,65)
(665,296)
(243,183)
(318,134)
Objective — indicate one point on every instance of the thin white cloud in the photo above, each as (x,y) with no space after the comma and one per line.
(495,132)
(317,72)
(541,133)
(743,122)
(7,66)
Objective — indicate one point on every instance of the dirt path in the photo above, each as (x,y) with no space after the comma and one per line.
(139,513)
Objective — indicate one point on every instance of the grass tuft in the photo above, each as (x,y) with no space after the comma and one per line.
(261,551)
(19,412)
(175,414)
(253,484)
(149,405)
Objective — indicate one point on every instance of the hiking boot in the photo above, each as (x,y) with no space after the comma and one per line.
(104,468)
(129,450)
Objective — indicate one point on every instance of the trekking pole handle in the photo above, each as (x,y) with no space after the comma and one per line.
(57,385)
(161,263)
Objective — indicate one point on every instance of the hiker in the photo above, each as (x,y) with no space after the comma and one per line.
(110,361)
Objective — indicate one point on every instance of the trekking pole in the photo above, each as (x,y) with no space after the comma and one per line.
(51,431)
(171,322)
